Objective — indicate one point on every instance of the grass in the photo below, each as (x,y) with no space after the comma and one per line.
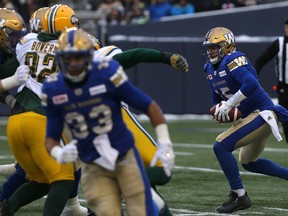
(198,184)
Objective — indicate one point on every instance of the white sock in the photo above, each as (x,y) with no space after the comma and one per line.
(159,201)
(240,192)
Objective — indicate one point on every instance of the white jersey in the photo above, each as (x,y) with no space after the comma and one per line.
(106,52)
(40,57)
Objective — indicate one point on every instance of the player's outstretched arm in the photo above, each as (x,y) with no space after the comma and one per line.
(132,57)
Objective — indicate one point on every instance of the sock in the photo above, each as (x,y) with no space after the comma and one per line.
(267,167)
(240,192)
(77,175)
(13,183)
(228,164)
(57,197)
(156,176)
(26,194)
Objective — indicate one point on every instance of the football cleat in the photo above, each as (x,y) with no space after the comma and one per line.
(235,203)
(4,209)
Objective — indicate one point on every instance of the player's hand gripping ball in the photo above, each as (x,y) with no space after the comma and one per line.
(233,115)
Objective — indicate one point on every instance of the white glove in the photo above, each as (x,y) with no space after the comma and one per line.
(221,113)
(21,76)
(166,155)
(66,154)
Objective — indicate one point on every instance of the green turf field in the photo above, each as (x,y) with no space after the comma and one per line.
(198,184)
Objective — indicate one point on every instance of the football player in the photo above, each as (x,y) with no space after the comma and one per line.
(12,28)
(144,142)
(87,98)
(44,173)
(233,82)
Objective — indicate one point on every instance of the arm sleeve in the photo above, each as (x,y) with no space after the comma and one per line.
(133,57)
(248,82)
(266,56)
(9,68)
(54,125)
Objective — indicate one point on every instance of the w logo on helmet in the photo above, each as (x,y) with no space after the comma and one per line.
(230,38)
(35,25)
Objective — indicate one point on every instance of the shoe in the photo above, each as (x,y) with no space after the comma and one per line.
(4,209)
(235,203)
(77,211)
(90,212)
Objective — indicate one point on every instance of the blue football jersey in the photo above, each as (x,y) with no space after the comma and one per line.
(93,108)
(235,72)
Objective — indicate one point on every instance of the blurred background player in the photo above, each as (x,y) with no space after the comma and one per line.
(105,145)
(11,30)
(43,171)
(144,142)
(278,50)
(233,82)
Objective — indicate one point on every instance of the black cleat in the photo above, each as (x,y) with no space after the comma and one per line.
(90,212)
(4,209)
(235,203)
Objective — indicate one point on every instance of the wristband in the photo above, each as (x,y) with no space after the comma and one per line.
(162,134)
(9,82)
(236,98)
(56,152)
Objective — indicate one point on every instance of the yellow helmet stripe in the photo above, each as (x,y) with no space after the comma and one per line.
(51,18)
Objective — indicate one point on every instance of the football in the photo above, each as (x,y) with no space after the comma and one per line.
(234,113)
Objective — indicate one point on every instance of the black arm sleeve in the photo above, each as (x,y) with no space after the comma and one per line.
(133,57)
(9,67)
(267,55)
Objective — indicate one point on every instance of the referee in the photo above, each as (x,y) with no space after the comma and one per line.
(279,50)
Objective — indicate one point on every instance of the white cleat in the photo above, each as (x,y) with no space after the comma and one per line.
(73,208)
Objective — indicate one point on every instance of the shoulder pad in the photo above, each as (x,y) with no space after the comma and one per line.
(29,36)
(107,51)
(235,60)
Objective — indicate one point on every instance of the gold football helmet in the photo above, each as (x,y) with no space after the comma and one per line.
(36,20)
(74,54)
(12,28)
(58,18)
(218,42)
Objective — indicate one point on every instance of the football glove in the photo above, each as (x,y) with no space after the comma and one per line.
(21,76)
(179,62)
(166,155)
(65,154)
(221,113)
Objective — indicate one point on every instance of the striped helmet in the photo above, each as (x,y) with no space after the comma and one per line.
(58,18)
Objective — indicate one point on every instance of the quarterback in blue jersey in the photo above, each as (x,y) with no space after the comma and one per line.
(233,82)
(86,96)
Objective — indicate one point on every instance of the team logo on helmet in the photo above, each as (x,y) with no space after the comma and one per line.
(74,20)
